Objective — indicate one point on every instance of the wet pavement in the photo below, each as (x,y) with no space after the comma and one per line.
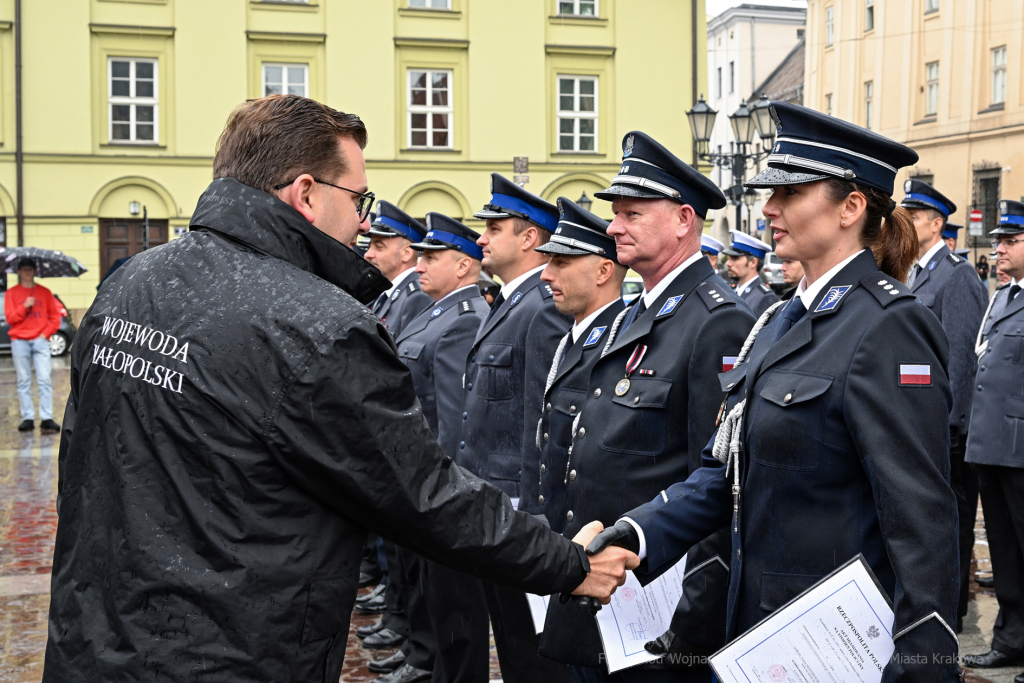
(28,520)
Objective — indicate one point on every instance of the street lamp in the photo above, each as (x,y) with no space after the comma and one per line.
(702,120)
(763,119)
(742,124)
(585,202)
(134,208)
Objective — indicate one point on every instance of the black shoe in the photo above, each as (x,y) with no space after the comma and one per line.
(388,664)
(49,427)
(993,659)
(1019,678)
(379,590)
(384,639)
(405,674)
(986,581)
(375,605)
(26,426)
(369,629)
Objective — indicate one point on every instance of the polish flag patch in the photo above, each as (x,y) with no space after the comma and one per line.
(915,375)
(728,363)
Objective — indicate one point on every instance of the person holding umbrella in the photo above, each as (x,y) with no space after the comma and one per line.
(32,315)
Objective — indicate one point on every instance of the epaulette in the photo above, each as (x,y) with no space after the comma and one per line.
(545,290)
(465,306)
(413,286)
(886,289)
(713,296)
(765,288)
(955,259)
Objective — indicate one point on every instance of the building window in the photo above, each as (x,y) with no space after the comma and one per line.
(828,104)
(430,108)
(732,77)
(999,75)
(869,97)
(931,6)
(430,4)
(286,79)
(583,8)
(719,82)
(986,196)
(869,15)
(931,104)
(830,13)
(133,100)
(577,114)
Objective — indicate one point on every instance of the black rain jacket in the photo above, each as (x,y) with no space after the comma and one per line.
(237,421)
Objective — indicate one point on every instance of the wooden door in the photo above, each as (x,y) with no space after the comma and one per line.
(121,238)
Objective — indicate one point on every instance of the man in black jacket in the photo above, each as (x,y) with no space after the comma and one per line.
(238,419)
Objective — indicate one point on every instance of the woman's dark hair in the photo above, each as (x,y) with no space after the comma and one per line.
(888,231)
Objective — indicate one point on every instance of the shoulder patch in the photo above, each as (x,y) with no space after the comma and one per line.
(669,307)
(465,306)
(594,336)
(394,297)
(436,312)
(713,296)
(885,288)
(545,290)
(765,288)
(516,298)
(832,298)
(956,260)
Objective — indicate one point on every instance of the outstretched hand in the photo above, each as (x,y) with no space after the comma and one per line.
(607,566)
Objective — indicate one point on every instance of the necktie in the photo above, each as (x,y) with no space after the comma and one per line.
(633,314)
(494,307)
(791,315)
(379,303)
(913,274)
(1014,290)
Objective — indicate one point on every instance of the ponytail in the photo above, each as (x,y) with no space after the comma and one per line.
(888,229)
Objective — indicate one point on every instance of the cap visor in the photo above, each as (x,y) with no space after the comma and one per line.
(563,250)
(382,231)
(488,213)
(628,191)
(1009,229)
(774,177)
(911,204)
(422,246)
(734,252)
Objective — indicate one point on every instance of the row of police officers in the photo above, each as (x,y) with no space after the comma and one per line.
(767,441)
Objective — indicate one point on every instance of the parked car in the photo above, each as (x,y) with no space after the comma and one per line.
(771,272)
(60,341)
(632,287)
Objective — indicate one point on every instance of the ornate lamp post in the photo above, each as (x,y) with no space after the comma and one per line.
(585,202)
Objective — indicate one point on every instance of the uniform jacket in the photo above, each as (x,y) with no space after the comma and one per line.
(237,420)
(562,401)
(841,456)
(630,447)
(41,320)
(435,345)
(505,374)
(951,289)
(758,296)
(404,304)
(996,436)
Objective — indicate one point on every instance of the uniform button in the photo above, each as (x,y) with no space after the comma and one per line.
(636,399)
(572,410)
(462,444)
(465,416)
(548,407)
(568,516)
(731,385)
(739,554)
(545,436)
(543,469)
(982,367)
(540,499)
(572,475)
(597,393)
(582,433)
(472,359)
(788,398)
(470,386)
(979,387)
(490,357)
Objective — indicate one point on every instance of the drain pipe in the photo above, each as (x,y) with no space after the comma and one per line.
(18,157)
(693,62)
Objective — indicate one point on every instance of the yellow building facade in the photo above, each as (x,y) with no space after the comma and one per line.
(123,101)
(942,76)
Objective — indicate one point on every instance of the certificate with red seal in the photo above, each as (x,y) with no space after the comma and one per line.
(838,630)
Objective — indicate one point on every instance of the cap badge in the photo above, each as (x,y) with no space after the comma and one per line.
(832,298)
(907,185)
(1002,207)
(629,146)
(594,336)
(428,223)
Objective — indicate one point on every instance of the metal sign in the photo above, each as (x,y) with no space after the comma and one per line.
(521,165)
(760,225)
(976,215)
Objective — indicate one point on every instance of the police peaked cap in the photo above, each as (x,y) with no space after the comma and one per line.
(710,245)
(649,171)
(447,233)
(579,233)
(1011,218)
(921,195)
(813,146)
(745,245)
(949,230)
(508,200)
(393,222)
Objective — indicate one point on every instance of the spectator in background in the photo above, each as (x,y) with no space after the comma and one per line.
(982,267)
(32,315)
(792,273)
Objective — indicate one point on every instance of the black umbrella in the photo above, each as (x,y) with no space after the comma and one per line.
(49,262)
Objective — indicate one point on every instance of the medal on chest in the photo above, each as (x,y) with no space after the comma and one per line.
(634,361)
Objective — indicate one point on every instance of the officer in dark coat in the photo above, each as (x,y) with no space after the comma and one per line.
(586,279)
(995,446)
(949,286)
(392,232)
(434,345)
(505,377)
(745,259)
(237,419)
(836,427)
(654,393)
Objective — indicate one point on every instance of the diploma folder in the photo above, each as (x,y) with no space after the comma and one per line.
(837,631)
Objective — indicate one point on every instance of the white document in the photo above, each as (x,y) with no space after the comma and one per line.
(637,615)
(538,610)
(837,631)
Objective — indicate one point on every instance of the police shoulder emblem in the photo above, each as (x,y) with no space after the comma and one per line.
(412,285)
(465,307)
(595,335)
(931,266)
(954,258)
(394,296)
(515,299)
(629,146)
(669,305)
(436,312)
(832,298)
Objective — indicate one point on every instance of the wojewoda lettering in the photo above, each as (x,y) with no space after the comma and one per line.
(145,339)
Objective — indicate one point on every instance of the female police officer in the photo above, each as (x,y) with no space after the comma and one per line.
(837,414)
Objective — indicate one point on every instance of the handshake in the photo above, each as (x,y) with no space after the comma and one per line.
(612,551)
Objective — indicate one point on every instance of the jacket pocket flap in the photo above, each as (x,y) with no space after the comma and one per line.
(788,388)
(645,392)
(494,354)
(323,618)
(778,589)
(1013,331)
(568,401)
(1015,407)
(506,466)
(411,349)
(733,377)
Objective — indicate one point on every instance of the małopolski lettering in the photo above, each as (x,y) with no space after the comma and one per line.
(137,367)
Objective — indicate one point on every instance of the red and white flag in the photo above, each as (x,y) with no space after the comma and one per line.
(728,363)
(915,375)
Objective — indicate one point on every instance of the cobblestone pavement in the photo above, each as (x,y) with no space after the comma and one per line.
(28,482)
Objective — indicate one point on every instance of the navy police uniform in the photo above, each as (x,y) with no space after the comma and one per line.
(579,233)
(757,295)
(505,375)
(860,377)
(949,286)
(650,407)
(995,445)
(406,300)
